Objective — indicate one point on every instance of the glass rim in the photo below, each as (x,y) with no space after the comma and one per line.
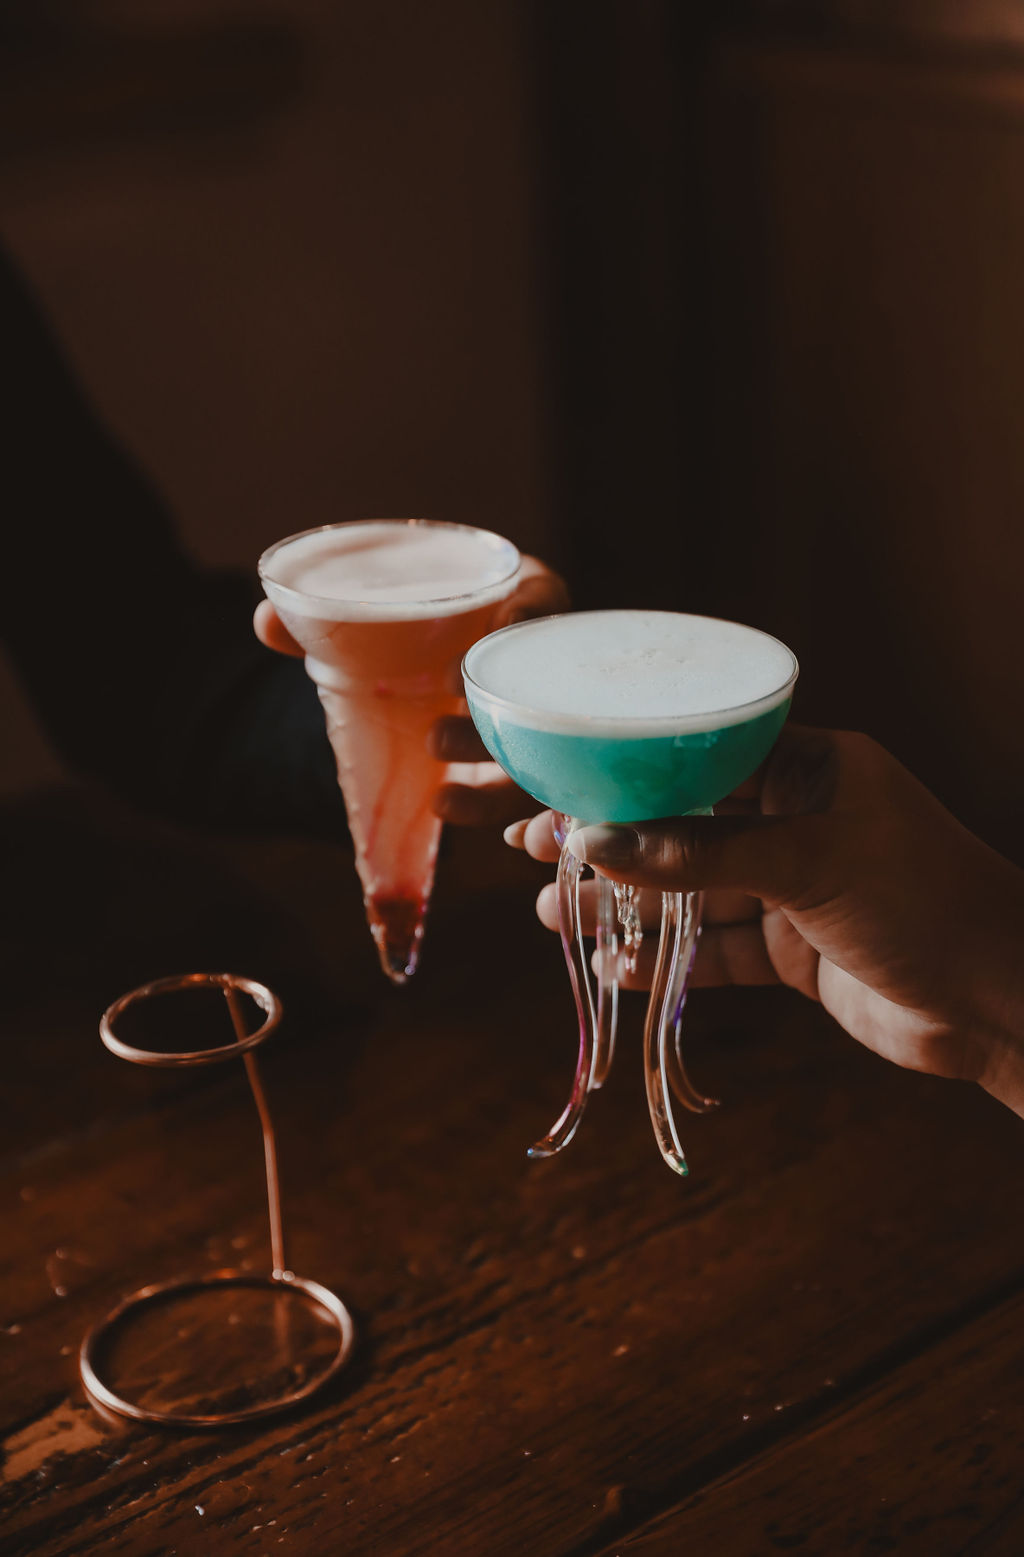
(660,723)
(430,600)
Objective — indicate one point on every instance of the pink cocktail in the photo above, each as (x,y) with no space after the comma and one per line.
(384,610)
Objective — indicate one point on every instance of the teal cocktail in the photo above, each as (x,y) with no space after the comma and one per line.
(627,777)
(624,716)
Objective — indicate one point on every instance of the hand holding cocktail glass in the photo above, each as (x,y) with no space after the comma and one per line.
(383,611)
(835,872)
(612,717)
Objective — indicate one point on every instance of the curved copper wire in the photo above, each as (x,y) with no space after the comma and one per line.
(281,1278)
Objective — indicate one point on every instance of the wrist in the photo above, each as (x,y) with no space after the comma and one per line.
(999,1025)
(997,988)
(1003,1073)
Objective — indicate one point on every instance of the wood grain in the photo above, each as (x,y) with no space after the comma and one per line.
(925,1461)
(549,1355)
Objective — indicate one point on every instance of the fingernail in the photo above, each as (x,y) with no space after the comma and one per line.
(605,845)
(513,834)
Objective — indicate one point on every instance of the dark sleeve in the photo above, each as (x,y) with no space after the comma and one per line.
(142,667)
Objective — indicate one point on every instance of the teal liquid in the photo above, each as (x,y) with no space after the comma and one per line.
(597,778)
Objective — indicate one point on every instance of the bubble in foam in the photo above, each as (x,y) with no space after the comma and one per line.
(585,668)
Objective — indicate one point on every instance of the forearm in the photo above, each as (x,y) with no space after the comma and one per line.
(172,703)
(998,984)
(1004,1074)
(141,666)
(251,750)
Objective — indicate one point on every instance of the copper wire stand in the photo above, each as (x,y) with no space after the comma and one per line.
(280,1278)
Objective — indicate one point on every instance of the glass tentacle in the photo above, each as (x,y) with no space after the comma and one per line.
(570,870)
(679,1081)
(661,1009)
(607,981)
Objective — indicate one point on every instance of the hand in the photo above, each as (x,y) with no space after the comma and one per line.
(836,872)
(483,796)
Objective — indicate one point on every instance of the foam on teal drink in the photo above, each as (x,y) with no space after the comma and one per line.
(620,716)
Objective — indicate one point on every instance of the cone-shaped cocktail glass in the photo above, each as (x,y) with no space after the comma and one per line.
(626,716)
(384,610)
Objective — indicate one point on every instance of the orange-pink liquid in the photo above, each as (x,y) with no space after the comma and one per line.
(382,685)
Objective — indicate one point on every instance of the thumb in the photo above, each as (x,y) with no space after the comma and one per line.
(270,630)
(778,859)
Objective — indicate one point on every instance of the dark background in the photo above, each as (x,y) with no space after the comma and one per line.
(717,308)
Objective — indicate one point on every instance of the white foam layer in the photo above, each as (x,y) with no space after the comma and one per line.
(388,569)
(588,672)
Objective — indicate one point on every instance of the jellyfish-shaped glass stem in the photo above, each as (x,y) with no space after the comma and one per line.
(567,888)
(597,1015)
(664,1072)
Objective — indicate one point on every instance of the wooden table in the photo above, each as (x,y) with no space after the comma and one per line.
(813,1344)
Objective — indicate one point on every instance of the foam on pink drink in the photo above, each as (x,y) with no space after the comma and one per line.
(384,610)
